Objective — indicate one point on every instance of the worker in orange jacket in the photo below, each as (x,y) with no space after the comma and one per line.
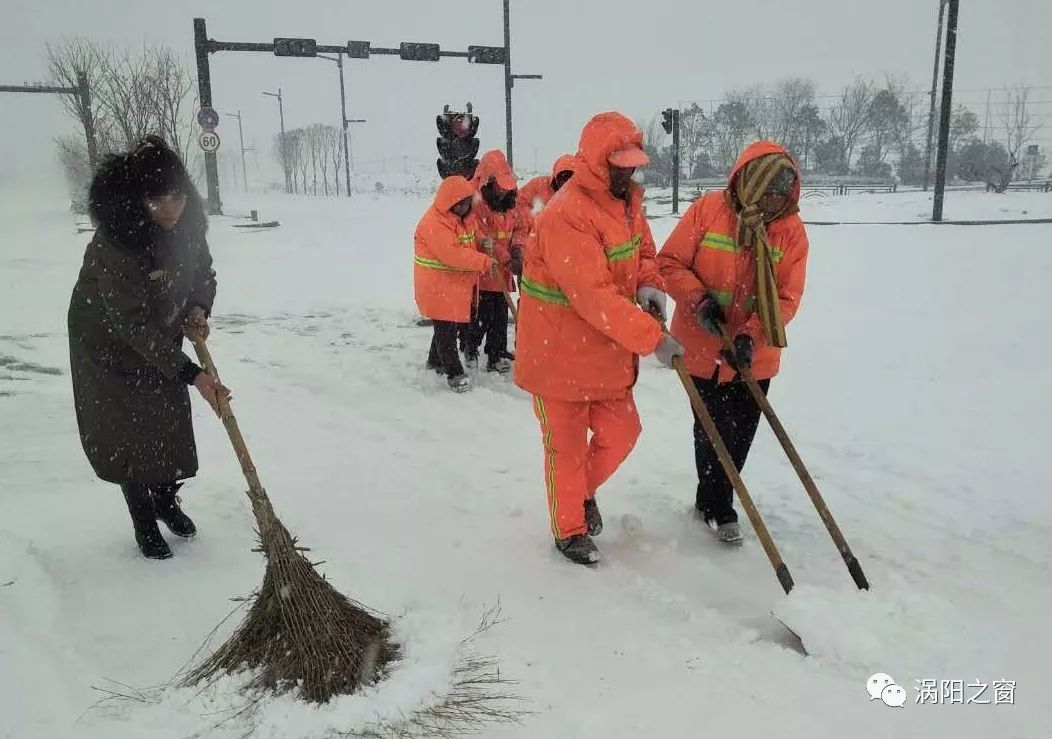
(446,271)
(498,224)
(589,268)
(736,261)
(536,193)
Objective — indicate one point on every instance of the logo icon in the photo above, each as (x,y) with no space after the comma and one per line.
(883,686)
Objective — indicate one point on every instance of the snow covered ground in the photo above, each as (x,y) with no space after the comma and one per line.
(916,387)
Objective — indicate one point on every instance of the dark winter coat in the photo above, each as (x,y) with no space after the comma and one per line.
(130,374)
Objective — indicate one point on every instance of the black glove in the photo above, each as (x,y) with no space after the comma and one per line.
(710,315)
(515,265)
(743,347)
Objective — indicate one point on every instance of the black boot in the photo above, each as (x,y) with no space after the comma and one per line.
(592,517)
(147,535)
(579,548)
(166,505)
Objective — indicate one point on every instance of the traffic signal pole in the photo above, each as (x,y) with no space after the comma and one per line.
(204,90)
(304,47)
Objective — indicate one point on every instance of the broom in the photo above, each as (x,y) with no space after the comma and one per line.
(299,632)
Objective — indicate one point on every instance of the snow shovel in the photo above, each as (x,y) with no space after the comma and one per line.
(781,570)
(758,395)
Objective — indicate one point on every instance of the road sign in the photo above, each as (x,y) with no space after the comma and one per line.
(209,142)
(207,118)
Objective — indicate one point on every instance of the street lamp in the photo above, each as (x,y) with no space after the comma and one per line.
(284,144)
(241,137)
(343,117)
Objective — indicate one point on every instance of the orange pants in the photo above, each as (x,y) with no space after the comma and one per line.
(574,466)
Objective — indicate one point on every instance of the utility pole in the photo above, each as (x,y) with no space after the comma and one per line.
(204,91)
(934,91)
(509,81)
(241,138)
(947,105)
(284,143)
(675,161)
(986,131)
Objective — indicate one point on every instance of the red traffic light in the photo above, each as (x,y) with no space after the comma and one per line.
(457,125)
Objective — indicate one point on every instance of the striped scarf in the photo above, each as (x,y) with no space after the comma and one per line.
(752,182)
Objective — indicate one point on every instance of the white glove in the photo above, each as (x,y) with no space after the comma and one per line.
(668,350)
(652,300)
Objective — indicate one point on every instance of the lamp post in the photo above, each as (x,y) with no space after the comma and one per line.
(284,144)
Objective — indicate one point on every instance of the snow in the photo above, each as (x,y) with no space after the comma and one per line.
(915,387)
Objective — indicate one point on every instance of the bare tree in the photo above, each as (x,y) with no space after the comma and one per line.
(169,87)
(786,105)
(126,95)
(336,153)
(849,117)
(732,123)
(1019,124)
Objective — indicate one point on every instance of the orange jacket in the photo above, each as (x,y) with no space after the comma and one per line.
(508,229)
(446,265)
(580,330)
(536,193)
(701,256)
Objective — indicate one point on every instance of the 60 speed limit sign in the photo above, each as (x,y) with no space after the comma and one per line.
(209,142)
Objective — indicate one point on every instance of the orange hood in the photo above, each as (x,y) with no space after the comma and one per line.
(762,149)
(450,192)
(566,162)
(494,164)
(604,134)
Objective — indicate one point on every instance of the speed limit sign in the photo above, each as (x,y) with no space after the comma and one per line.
(209,142)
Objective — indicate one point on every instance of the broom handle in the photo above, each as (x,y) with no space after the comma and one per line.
(760,397)
(256,494)
(781,570)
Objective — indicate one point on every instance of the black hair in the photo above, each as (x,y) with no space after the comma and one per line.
(123,182)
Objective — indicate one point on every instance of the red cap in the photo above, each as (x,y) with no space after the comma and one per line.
(628,157)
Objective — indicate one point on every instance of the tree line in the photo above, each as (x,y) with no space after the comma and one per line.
(869,130)
(309,153)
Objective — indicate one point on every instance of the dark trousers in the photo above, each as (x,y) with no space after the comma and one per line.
(443,355)
(491,321)
(737,416)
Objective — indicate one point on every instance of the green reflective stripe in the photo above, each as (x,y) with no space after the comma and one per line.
(627,250)
(720,242)
(435,264)
(466,238)
(544,293)
(723,297)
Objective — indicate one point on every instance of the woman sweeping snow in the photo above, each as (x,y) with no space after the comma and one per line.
(146,281)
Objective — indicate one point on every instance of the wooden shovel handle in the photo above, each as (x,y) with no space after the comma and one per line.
(798,464)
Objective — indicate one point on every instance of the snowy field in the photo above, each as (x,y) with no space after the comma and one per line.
(916,387)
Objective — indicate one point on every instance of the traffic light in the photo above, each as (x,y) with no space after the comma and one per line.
(358,49)
(666,120)
(457,143)
(295,47)
(486,54)
(413,52)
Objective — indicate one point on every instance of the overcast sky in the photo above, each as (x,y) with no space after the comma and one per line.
(635,57)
